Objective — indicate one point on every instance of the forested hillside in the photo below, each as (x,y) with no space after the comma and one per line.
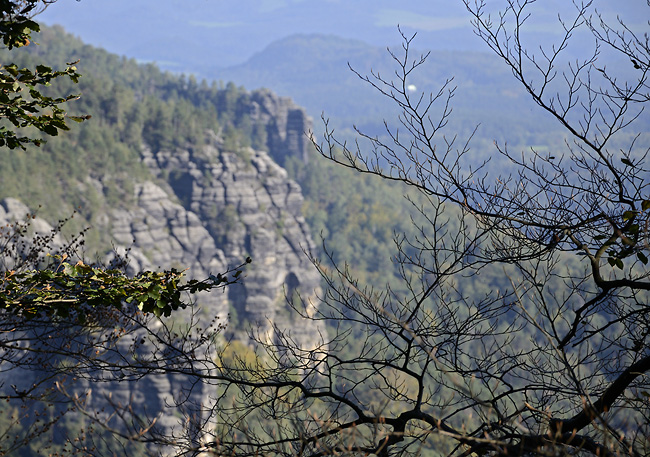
(93,167)
(131,105)
(150,171)
(178,175)
(407,294)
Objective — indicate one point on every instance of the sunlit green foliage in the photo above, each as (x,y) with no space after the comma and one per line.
(79,288)
(22,102)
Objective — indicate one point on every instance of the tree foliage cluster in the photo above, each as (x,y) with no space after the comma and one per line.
(22,103)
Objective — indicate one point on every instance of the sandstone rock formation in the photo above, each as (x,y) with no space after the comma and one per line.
(287,125)
(219,208)
(205,209)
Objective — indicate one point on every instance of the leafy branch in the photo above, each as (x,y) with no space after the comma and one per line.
(22,104)
(77,289)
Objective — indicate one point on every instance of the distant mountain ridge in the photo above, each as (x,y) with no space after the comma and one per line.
(191,36)
(315,71)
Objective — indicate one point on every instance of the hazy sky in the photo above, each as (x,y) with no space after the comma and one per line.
(231,31)
(181,33)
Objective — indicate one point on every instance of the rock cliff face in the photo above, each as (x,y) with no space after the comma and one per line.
(205,209)
(208,209)
(287,125)
(215,209)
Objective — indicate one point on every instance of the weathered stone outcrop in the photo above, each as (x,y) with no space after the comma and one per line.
(287,125)
(206,209)
(228,207)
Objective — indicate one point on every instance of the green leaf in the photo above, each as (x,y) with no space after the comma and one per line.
(627,162)
(50,129)
(12,69)
(627,215)
(29,24)
(645,205)
(154,293)
(642,257)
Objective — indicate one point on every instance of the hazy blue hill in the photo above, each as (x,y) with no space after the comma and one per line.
(190,36)
(222,34)
(313,69)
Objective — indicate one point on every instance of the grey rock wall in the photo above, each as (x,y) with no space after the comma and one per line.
(287,125)
(206,209)
(215,209)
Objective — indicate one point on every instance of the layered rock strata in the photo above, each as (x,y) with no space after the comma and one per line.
(206,209)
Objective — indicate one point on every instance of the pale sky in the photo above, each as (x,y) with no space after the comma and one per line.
(185,35)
